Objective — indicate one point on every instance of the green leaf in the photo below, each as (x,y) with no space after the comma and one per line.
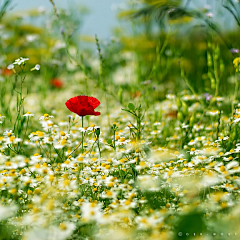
(192,222)
(131,107)
(109,141)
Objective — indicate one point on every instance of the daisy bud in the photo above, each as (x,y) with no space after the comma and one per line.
(37,67)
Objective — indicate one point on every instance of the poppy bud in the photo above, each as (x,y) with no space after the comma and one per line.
(160,114)
(69,118)
(217,52)
(97,131)
(178,102)
(192,120)
(180,117)
(210,75)
(184,108)
(222,67)
(209,60)
(120,95)
(213,83)
(155,115)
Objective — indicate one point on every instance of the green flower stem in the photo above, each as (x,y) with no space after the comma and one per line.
(114,139)
(98,144)
(82,134)
(119,169)
(216,77)
(24,135)
(235,92)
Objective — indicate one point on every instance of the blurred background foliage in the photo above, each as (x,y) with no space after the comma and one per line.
(167,47)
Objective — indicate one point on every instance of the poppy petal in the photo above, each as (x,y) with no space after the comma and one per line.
(83,105)
(93,101)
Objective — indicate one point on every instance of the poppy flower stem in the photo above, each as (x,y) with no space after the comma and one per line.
(82,134)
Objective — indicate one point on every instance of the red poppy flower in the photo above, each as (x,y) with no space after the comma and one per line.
(172,114)
(83,105)
(5,72)
(57,83)
(136,94)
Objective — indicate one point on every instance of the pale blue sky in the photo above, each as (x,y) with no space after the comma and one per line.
(102,18)
(100,21)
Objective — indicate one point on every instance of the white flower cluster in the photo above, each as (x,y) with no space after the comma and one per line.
(19,61)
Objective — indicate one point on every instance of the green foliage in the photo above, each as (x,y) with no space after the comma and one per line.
(136,112)
(131,107)
(4,7)
(8,232)
(190,224)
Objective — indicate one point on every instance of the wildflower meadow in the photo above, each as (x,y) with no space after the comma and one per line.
(133,137)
